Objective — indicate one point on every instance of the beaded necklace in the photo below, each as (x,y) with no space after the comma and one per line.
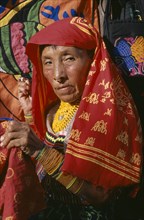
(63,116)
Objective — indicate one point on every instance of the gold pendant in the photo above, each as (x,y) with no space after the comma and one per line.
(60,117)
(63,116)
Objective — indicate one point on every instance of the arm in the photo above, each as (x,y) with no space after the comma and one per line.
(52,160)
(25,99)
(20,134)
(24,95)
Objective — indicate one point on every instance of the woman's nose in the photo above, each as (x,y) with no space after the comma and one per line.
(59,73)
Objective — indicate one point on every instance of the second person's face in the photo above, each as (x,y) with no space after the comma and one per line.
(66,69)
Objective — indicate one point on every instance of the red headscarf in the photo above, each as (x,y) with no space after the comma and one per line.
(105,146)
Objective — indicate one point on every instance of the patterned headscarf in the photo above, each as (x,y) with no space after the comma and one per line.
(106,140)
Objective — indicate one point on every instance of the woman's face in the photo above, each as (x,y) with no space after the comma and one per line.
(66,69)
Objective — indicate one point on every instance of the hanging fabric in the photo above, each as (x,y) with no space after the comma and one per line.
(123,32)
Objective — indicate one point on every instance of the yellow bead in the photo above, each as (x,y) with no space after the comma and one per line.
(63,116)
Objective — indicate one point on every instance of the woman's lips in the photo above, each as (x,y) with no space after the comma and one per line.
(65,89)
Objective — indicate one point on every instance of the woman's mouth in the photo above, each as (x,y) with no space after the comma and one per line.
(65,89)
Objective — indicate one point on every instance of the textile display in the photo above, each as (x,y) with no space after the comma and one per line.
(20,19)
(124,33)
(124,38)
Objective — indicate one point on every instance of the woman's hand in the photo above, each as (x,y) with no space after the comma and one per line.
(19,134)
(24,95)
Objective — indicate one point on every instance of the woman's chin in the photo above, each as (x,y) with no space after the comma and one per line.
(70,99)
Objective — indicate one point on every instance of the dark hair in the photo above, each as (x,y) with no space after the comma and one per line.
(90,53)
(41,47)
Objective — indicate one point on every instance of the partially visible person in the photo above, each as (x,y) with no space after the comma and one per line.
(86,137)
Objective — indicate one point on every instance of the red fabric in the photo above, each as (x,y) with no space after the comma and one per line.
(21,194)
(105,145)
(106,149)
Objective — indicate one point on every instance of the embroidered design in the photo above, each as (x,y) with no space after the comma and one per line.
(121,154)
(85,116)
(108,112)
(17,198)
(10,173)
(121,96)
(126,121)
(123,137)
(6,19)
(2,157)
(75,134)
(106,96)
(139,139)
(90,141)
(14,37)
(136,159)
(104,84)
(129,55)
(100,126)
(82,25)
(91,73)
(103,64)
(87,82)
(92,98)
(138,49)
(112,101)
(104,159)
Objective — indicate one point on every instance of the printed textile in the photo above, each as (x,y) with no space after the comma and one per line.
(21,194)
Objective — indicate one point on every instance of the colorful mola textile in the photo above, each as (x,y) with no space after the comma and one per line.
(9,104)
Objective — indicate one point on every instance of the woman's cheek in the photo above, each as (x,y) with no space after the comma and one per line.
(48,75)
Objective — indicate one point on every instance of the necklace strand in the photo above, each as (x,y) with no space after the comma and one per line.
(63,116)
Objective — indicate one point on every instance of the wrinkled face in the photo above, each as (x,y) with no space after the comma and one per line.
(66,69)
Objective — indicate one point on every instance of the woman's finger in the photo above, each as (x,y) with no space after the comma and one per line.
(17,132)
(24,86)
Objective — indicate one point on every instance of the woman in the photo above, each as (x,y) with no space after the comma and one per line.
(87,136)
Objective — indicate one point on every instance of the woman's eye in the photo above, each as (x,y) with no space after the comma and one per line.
(48,62)
(69,58)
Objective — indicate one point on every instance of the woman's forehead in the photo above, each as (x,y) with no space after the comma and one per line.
(62,49)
